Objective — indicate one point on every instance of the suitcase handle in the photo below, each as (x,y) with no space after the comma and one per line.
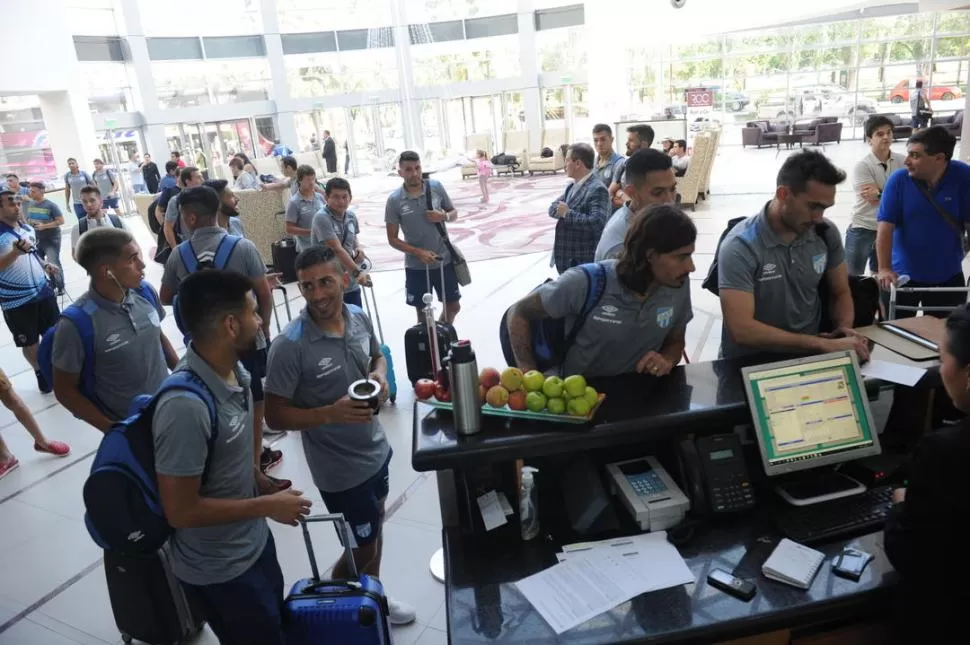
(342,528)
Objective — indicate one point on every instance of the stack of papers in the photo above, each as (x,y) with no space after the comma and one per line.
(594,577)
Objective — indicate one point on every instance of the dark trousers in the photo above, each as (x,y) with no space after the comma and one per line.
(928,299)
(247,610)
(353,298)
(49,248)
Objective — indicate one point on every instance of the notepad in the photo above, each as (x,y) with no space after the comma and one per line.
(793,563)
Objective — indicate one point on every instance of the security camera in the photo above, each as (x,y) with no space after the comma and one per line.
(678,4)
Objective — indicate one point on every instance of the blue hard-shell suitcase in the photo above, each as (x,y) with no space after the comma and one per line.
(336,611)
(370,304)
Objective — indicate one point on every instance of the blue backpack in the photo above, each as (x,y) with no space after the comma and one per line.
(81,316)
(192,264)
(550,342)
(123,507)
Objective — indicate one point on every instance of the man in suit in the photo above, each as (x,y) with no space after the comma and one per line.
(582,210)
(329,152)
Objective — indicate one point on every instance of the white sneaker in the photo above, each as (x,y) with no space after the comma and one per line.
(399,613)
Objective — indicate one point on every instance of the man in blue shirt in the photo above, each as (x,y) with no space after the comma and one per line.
(170,180)
(923,215)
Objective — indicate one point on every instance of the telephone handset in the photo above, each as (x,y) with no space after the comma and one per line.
(715,475)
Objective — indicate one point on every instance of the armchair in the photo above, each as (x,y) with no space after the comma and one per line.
(473,142)
(555,140)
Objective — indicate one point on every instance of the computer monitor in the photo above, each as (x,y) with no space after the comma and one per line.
(810,412)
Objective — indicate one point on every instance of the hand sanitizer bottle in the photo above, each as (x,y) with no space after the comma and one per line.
(529,504)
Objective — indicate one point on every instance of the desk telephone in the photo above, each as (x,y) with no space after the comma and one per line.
(715,474)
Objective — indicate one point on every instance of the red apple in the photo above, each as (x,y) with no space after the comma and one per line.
(481,394)
(442,393)
(517,400)
(489,378)
(424,389)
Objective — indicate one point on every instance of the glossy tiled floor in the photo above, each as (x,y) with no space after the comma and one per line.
(52,589)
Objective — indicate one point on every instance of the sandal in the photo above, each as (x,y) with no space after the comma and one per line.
(56,448)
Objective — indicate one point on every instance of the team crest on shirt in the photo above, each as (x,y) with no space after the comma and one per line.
(153,318)
(818,263)
(664,316)
(363,530)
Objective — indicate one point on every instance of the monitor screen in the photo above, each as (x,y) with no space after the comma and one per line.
(810,412)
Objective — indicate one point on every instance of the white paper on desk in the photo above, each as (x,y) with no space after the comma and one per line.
(893,372)
(570,593)
(650,555)
(491,509)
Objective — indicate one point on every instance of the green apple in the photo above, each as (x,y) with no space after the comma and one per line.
(575,385)
(591,396)
(566,396)
(535,401)
(556,405)
(552,387)
(533,380)
(578,407)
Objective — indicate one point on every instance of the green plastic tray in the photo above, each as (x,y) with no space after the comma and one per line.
(488,410)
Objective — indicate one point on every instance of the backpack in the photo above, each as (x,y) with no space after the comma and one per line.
(82,224)
(192,264)
(550,343)
(546,153)
(710,282)
(81,316)
(123,509)
(152,220)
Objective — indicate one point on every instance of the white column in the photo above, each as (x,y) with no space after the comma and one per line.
(965,132)
(410,106)
(146,98)
(70,129)
(285,115)
(608,82)
(529,62)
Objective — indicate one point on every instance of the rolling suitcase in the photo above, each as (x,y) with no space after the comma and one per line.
(286,303)
(417,352)
(148,601)
(370,304)
(336,611)
(284,259)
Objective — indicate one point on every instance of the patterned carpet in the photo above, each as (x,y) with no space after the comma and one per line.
(515,222)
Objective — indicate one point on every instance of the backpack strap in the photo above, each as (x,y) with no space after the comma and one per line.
(82,319)
(145,291)
(188,381)
(82,226)
(116,221)
(226,246)
(189,260)
(595,287)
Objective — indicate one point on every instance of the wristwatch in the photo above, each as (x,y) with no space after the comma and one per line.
(355,274)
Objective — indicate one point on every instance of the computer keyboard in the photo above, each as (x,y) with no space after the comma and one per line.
(839,518)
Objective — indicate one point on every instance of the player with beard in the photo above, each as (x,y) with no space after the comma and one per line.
(639,322)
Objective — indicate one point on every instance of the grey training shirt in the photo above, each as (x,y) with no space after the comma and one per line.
(870,170)
(408,212)
(327,226)
(611,240)
(181,427)
(314,368)
(174,214)
(783,277)
(300,211)
(621,329)
(128,358)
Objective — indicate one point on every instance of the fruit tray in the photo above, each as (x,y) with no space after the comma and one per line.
(505,411)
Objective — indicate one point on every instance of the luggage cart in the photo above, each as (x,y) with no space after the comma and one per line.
(894,291)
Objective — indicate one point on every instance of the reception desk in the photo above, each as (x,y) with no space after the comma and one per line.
(641,415)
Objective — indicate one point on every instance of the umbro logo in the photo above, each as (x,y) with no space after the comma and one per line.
(609,309)
(112,339)
(324,362)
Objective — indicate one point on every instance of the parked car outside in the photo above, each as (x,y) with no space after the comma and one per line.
(900,93)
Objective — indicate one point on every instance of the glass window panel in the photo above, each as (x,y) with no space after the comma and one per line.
(953,22)
(825,35)
(108,87)
(174,48)
(311,75)
(211,17)
(355,39)
(320,15)
(239,81)
(888,83)
(561,50)
(514,118)
(323,41)
(100,48)
(901,26)
(494,26)
(760,43)
(180,84)
(436,32)
(24,144)
(708,48)
(431,10)
(234,47)
(953,47)
(571,16)
(461,61)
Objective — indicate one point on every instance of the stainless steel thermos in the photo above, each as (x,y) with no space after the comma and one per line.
(463,381)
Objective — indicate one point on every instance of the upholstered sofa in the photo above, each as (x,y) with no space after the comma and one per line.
(901,125)
(952,122)
(819,130)
(762,133)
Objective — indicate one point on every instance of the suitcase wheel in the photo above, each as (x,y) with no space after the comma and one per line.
(126,638)
(393,399)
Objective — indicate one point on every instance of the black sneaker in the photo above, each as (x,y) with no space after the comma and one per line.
(270,459)
(42,384)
